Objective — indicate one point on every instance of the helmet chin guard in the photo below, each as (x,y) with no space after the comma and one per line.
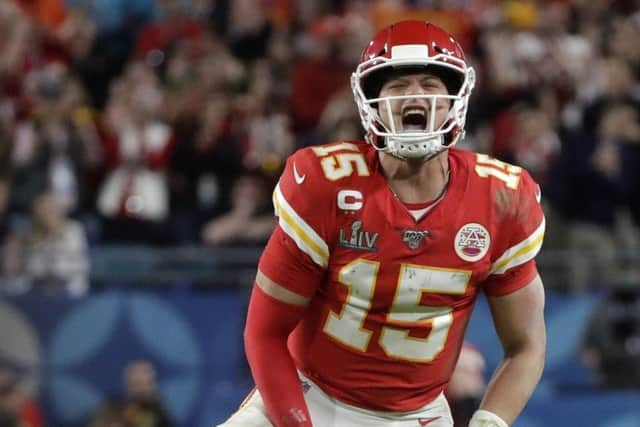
(420,46)
(413,148)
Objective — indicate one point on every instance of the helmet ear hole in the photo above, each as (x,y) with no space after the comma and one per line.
(452,135)
(375,139)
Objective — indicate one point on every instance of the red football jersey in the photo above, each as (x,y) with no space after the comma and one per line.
(391,296)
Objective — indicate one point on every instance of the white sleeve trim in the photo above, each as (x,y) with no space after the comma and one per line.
(520,253)
(295,227)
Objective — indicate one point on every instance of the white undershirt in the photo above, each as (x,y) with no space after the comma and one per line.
(418,214)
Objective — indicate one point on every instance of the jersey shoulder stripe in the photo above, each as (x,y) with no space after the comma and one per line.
(518,254)
(305,237)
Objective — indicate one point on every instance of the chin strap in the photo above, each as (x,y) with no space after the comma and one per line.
(482,418)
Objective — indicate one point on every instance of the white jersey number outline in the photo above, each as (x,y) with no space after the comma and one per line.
(406,312)
(336,166)
(509,174)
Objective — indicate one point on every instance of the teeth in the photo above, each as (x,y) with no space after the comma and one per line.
(410,121)
(413,111)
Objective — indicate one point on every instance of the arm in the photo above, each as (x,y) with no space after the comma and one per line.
(519,321)
(274,312)
(291,269)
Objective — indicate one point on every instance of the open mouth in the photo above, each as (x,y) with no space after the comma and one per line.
(414,118)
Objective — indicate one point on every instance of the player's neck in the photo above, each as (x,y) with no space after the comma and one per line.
(416,181)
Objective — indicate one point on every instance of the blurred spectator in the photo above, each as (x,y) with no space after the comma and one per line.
(140,381)
(202,79)
(66,143)
(17,408)
(206,163)
(113,16)
(77,33)
(611,345)
(585,188)
(140,405)
(534,142)
(250,220)
(53,146)
(51,255)
(590,182)
(249,29)
(144,407)
(467,384)
(320,74)
(48,13)
(17,39)
(10,401)
(111,413)
(340,120)
(134,197)
(172,24)
(269,139)
(106,56)
(615,83)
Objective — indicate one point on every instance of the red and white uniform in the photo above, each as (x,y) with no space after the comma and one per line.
(391,296)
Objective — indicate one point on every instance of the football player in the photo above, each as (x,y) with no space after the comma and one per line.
(364,290)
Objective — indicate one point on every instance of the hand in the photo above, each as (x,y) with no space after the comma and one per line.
(629,126)
(483,418)
(620,122)
(224,229)
(606,158)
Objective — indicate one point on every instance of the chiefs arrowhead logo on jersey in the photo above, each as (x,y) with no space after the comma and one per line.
(472,242)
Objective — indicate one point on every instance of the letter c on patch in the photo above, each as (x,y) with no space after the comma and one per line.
(350,200)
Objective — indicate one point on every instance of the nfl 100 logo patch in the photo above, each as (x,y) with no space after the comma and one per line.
(414,238)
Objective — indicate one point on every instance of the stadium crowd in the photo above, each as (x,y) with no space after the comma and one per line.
(168,122)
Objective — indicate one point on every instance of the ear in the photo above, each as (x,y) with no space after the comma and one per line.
(453,134)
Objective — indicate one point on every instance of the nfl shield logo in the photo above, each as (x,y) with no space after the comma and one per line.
(414,238)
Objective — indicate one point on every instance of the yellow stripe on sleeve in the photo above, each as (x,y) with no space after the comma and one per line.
(295,227)
(520,253)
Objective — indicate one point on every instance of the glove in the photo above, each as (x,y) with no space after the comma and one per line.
(482,418)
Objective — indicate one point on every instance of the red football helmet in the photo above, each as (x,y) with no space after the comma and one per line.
(420,46)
